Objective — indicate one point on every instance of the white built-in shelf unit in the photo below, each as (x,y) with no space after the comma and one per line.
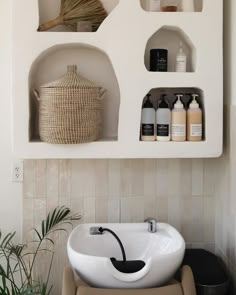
(116,57)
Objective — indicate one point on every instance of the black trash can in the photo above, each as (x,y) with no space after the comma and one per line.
(210,275)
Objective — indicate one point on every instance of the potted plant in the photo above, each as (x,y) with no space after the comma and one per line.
(17,261)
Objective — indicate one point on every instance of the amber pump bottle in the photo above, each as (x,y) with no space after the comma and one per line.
(194,121)
(179,121)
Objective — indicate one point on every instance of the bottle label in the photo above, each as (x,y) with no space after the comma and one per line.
(178,130)
(147,129)
(163,130)
(162,65)
(196,130)
(181,64)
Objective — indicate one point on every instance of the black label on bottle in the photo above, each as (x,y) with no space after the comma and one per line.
(163,130)
(148,129)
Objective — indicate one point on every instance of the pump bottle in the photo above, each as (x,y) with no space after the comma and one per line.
(148,121)
(194,121)
(179,121)
(163,119)
(181,60)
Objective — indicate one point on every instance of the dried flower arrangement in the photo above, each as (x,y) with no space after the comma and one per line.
(73,11)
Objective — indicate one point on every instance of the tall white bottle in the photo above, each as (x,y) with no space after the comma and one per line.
(163,120)
(188,6)
(148,121)
(181,60)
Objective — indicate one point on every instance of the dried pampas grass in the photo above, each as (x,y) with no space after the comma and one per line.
(73,11)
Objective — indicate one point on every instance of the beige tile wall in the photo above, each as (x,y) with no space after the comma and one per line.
(180,192)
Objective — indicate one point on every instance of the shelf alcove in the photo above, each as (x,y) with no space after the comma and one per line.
(156,94)
(198,5)
(91,62)
(169,37)
(50,9)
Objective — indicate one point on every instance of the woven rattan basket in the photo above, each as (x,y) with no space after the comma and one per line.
(70,110)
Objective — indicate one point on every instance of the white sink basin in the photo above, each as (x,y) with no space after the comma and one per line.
(162,252)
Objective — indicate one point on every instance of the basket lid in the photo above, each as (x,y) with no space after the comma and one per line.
(71,80)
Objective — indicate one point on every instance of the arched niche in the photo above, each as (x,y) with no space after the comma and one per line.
(93,64)
(169,37)
(50,9)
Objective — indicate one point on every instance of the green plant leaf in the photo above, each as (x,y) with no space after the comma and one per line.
(52,216)
(50,240)
(43,229)
(4,291)
(7,239)
(38,234)
(44,289)
(2,272)
(59,215)
(4,282)
(16,260)
(16,249)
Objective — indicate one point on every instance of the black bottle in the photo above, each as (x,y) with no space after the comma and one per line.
(158,60)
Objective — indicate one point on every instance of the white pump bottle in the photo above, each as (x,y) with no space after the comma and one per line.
(181,60)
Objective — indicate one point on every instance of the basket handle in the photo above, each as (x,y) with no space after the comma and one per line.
(36,93)
(103,92)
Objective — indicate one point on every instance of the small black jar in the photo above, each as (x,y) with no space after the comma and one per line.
(158,60)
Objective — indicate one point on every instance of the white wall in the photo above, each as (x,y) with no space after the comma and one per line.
(229,51)
(233,51)
(10,193)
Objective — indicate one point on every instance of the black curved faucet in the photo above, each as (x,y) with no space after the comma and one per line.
(124,265)
(101,229)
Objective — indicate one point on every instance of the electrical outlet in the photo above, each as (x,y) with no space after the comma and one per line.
(18,171)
